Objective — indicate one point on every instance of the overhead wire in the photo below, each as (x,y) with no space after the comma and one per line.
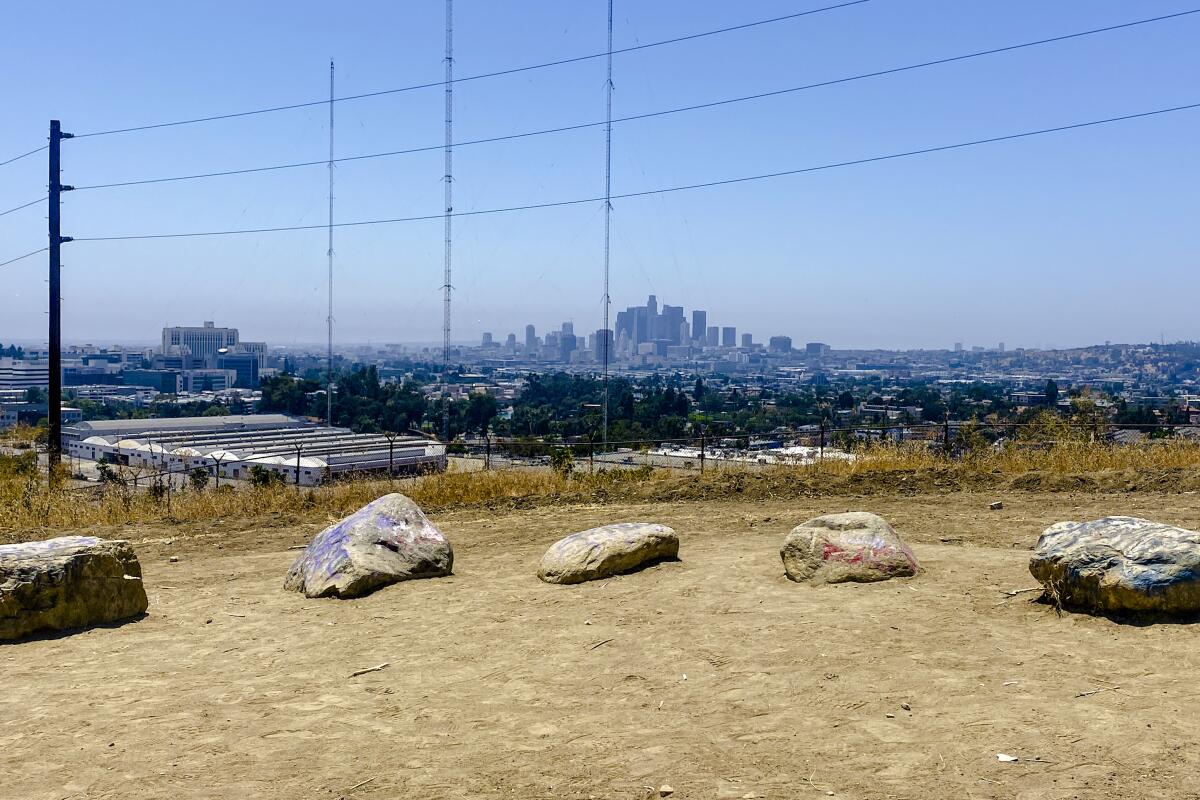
(481,76)
(664,190)
(20,258)
(649,114)
(24,155)
(25,205)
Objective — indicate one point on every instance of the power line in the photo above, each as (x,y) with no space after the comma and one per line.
(665,190)
(19,258)
(25,205)
(24,155)
(481,76)
(649,114)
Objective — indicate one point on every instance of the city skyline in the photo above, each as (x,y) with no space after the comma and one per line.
(1061,229)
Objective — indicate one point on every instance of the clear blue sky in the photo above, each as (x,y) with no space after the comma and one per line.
(1060,240)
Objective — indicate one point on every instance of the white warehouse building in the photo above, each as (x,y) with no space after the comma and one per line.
(231,446)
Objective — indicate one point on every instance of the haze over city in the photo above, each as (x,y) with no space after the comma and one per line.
(1056,240)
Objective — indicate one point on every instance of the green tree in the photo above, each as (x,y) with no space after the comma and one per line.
(198,478)
(1051,393)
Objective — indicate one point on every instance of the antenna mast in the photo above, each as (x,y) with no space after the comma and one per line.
(329,253)
(449,208)
(608,86)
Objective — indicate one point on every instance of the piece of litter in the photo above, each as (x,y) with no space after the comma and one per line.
(890,716)
(1005,757)
(1011,683)
(996,506)
(685,676)
(375,668)
(906,706)
(665,790)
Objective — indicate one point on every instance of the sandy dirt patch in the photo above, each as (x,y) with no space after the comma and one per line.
(713,674)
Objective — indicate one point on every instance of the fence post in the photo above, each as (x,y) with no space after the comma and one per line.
(946,433)
(702,453)
(821,451)
(487,452)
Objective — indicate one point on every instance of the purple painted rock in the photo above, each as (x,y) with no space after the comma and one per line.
(384,542)
(1120,565)
(68,582)
(855,546)
(606,551)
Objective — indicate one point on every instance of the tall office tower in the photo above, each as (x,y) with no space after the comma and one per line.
(511,342)
(712,336)
(652,306)
(958,347)
(487,340)
(780,344)
(670,320)
(567,345)
(699,324)
(643,324)
(624,326)
(729,337)
(568,327)
(685,333)
(602,338)
(204,342)
(747,340)
(530,338)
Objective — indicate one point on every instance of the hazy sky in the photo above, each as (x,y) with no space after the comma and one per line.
(1064,239)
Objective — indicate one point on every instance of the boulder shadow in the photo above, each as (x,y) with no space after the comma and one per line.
(66,633)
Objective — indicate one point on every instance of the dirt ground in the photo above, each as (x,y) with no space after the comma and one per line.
(713,674)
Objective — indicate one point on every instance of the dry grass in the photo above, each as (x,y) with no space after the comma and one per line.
(27,505)
(28,509)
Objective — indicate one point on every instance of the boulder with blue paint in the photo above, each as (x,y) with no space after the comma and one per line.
(384,542)
(68,582)
(606,551)
(1119,566)
(855,546)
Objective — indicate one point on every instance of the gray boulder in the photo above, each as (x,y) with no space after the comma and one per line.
(386,541)
(1120,565)
(607,550)
(855,546)
(68,582)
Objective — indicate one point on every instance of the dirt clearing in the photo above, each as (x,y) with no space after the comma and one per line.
(714,674)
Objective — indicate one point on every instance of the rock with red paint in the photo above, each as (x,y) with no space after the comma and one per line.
(855,546)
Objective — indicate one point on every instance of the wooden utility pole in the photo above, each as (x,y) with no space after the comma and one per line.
(54,409)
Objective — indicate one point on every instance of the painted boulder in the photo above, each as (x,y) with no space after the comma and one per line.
(856,546)
(68,582)
(1120,565)
(386,541)
(606,551)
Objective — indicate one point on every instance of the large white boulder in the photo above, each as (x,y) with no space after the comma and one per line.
(1120,565)
(855,546)
(386,541)
(607,550)
(68,582)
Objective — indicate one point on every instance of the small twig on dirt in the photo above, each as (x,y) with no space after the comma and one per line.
(230,613)
(1098,691)
(1015,592)
(167,587)
(361,783)
(810,783)
(299,547)
(375,668)
(599,644)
